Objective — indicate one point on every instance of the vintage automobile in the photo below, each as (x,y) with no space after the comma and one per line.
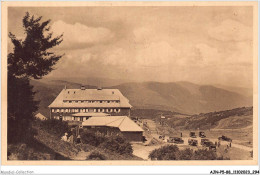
(193,135)
(202,134)
(202,142)
(225,138)
(162,137)
(176,140)
(208,143)
(193,142)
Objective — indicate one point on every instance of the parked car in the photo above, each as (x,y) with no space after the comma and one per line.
(225,138)
(208,143)
(176,140)
(193,135)
(162,137)
(202,134)
(202,142)
(193,142)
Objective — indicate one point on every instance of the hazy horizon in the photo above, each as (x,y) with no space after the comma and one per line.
(202,45)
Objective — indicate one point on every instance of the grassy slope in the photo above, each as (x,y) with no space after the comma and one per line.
(71,151)
(235,118)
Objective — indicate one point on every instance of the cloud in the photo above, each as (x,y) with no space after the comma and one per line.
(79,36)
(155,54)
(230,30)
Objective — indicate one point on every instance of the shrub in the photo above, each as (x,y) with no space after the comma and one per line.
(204,154)
(55,127)
(186,154)
(172,152)
(92,138)
(168,152)
(116,143)
(95,155)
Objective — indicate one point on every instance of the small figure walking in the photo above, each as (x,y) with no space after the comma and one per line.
(230,144)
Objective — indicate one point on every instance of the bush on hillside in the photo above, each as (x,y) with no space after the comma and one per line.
(95,155)
(172,152)
(186,154)
(116,143)
(55,127)
(168,152)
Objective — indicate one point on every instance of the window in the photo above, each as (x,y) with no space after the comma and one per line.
(58,110)
(118,110)
(108,101)
(62,110)
(94,110)
(111,110)
(115,110)
(86,110)
(70,101)
(98,110)
(52,110)
(107,110)
(76,101)
(103,110)
(66,110)
(100,101)
(74,118)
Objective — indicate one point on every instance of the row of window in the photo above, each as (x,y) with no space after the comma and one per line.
(85,110)
(70,118)
(91,101)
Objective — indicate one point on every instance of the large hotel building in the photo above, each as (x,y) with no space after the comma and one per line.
(80,104)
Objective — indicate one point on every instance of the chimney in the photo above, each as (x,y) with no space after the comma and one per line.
(82,87)
(65,87)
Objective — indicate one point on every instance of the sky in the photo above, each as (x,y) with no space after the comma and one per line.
(205,45)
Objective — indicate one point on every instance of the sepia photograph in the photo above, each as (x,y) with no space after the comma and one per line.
(130,83)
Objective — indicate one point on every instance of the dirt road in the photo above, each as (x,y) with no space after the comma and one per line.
(143,151)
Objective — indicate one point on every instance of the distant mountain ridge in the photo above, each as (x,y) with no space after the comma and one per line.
(184,97)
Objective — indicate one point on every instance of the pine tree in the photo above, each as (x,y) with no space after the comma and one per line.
(31,58)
